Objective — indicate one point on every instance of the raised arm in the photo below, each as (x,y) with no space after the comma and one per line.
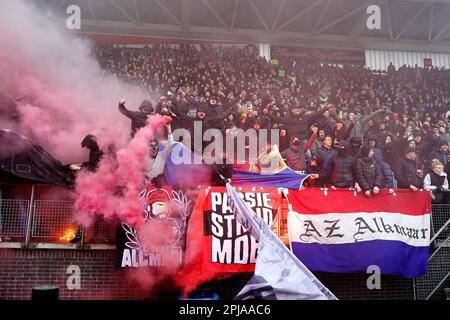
(310,118)
(311,140)
(347,131)
(128,113)
(368,117)
(170,143)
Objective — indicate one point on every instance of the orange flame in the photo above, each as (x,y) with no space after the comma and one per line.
(68,234)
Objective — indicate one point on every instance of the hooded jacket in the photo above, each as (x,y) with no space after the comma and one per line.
(341,168)
(386,171)
(138,118)
(368,173)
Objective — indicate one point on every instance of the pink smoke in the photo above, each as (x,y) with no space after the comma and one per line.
(60,90)
(62,94)
(113,190)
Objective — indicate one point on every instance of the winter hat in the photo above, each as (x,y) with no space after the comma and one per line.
(146,104)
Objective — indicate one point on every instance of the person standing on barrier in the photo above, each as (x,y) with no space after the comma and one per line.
(95,155)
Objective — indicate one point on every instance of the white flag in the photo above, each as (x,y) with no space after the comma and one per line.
(279,275)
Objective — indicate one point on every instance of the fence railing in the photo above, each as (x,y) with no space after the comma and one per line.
(432,284)
(51,221)
(13,218)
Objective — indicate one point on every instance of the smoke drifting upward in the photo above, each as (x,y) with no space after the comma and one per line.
(62,94)
(113,190)
(61,91)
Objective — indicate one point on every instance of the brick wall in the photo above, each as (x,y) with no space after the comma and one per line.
(23,269)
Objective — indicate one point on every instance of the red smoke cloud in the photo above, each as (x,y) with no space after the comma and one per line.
(60,90)
(113,190)
(62,94)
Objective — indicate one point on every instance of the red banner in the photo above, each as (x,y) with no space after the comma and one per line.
(226,246)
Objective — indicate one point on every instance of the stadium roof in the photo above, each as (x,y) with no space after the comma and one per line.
(405,24)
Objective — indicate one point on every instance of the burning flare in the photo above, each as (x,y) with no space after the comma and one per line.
(68,234)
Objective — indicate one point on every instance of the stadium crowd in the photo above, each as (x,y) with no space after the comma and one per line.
(346,125)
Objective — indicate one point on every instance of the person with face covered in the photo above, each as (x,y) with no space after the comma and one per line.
(295,155)
(341,132)
(95,155)
(138,118)
(355,147)
(341,167)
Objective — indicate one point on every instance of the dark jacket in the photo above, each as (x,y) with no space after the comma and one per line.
(325,155)
(138,119)
(390,153)
(298,126)
(386,171)
(405,173)
(341,171)
(95,154)
(368,173)
(438,182)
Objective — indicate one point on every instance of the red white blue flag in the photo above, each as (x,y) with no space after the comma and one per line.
(342,232)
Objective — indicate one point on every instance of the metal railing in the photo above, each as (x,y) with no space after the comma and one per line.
(52,218)
(29,221)
(32,221)
(13,218)
(431,285)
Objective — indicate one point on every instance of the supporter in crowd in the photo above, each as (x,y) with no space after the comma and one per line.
(368,173)
(341,167)
(443,155)
(228,89)
(407,172)
(355,147)
(387,174)
(138,118)
(95,154)
(437,183)
(325,153)
(295,155)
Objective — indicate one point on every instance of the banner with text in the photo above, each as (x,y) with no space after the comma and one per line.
(227,245)
(340,232)
(159,240)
